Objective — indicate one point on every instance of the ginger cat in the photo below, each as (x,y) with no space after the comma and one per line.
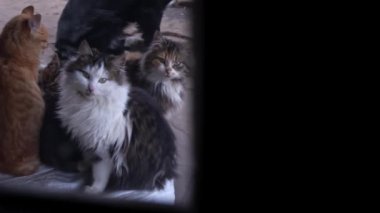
(21,103)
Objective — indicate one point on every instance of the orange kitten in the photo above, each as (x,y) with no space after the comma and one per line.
(21,102)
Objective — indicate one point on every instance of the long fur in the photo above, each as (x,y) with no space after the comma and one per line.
(151,155)
(97,123)
(127,125)
(149,73)
(93,92)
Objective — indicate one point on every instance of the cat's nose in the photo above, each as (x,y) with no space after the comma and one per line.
(90,89)
(169,73)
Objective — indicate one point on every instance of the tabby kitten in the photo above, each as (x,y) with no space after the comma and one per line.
(120,133)
(161,71)
(22,106)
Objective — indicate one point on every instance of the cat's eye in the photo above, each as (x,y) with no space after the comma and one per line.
(161,60)
(85,74)
(103,80)
(178,65)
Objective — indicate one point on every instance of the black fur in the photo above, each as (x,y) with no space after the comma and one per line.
(101,22)
(57,149)
(151,155)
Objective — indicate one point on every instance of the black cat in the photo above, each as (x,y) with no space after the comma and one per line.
(101,23)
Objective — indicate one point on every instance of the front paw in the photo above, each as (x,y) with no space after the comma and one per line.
(92,189)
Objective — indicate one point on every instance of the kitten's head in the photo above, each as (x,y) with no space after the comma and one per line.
(24,31)
(92,73)
(163,61)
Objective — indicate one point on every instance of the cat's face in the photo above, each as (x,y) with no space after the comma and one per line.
(94,75)
(90,80)
(164,61)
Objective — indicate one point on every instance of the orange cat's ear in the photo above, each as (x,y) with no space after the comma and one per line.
(35,22)
(29,10)
(84,48)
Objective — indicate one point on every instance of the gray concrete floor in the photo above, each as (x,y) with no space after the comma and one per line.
(176,19)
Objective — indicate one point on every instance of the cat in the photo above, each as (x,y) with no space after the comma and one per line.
(56,149)
(161,71)
(121,133)
(101,23)
(22,105)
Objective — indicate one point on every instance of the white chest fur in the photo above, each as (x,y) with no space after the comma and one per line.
(96,122)
(173,91)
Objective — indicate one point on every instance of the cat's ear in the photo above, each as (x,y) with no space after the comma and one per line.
(119,60)
(84,48)
(35,22)
(157,40)
(29,10)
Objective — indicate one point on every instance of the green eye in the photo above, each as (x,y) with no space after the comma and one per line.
(103,80)
(85,74)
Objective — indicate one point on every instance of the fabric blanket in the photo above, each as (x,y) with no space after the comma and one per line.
(53,180)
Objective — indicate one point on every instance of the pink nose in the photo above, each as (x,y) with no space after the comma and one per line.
(90,89)
(169,73)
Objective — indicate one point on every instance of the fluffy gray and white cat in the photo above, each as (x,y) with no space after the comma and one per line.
(120,131)
(161,71)
(93,97)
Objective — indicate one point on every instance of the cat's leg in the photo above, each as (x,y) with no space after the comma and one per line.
(101,171)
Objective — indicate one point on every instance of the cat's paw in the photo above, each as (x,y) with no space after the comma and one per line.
(92,189)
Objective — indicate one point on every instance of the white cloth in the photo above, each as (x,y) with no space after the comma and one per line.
(47,178)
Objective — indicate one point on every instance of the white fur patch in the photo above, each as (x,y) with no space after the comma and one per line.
(134,39)
(101,171)
(132,34)
(131,28)
(129,125)
(172,3)
(173,91)
(97,121)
